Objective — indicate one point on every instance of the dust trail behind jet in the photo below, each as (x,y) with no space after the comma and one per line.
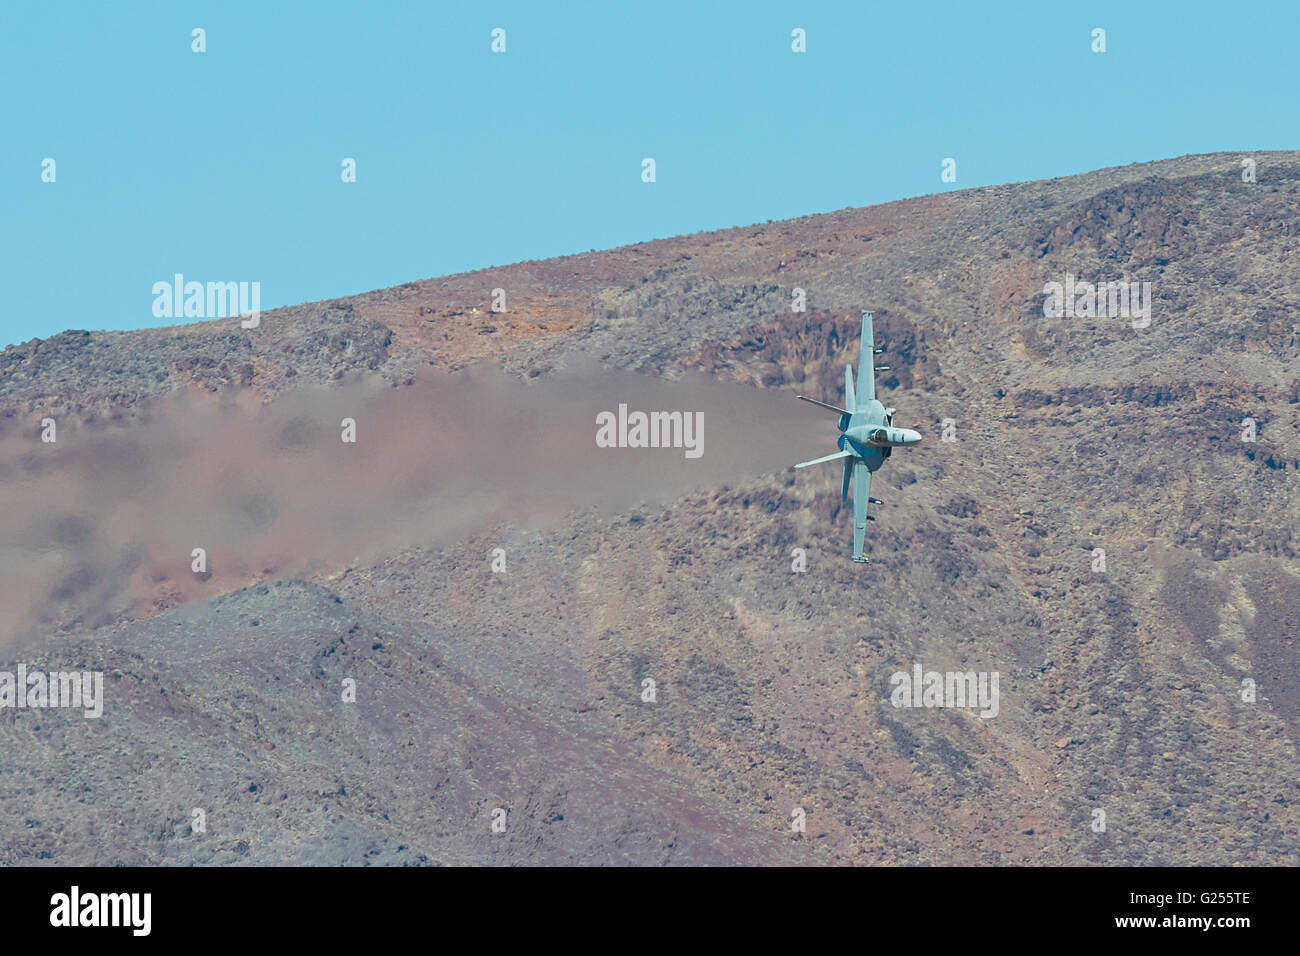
(103,522)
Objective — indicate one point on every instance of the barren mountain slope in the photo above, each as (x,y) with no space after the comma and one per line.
(1121,690)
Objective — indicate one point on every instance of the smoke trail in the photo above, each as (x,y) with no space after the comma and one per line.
(102,523)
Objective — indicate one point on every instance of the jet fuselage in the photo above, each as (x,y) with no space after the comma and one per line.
(870,429)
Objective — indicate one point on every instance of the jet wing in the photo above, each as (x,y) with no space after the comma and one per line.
(861,497)
(866,390)
(818,461)
(834,408)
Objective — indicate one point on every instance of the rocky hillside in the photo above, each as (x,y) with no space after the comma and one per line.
(1098,532)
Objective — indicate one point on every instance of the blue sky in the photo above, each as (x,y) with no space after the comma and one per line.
(225,165)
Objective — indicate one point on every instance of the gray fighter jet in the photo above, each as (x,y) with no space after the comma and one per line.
(867,433)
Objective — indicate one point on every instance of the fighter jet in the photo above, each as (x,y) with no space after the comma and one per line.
(867,433)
